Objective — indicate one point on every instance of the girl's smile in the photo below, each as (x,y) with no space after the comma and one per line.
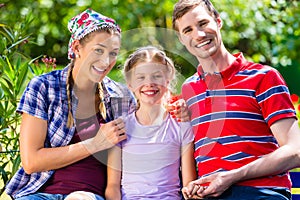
(149,82)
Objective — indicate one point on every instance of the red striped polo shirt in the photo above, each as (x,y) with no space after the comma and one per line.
(232,112)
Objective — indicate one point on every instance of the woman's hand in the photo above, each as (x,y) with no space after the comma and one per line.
(108,135)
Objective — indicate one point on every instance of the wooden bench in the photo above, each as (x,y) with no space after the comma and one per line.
(295,177)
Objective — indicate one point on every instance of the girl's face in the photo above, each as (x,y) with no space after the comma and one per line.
(149,82)
(97,56)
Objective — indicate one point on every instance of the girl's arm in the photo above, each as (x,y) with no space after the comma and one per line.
(188,166)
(113,188)
(36,158)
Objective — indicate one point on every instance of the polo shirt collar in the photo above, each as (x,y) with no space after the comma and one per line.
(230,71)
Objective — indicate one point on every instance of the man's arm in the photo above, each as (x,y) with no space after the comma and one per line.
(286,157)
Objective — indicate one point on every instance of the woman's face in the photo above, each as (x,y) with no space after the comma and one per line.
(97,56)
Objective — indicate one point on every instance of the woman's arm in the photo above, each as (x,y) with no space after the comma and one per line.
(36,158)
(113,188)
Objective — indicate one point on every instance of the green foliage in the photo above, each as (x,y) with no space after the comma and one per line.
(267,31)
(296,102)
(14,75)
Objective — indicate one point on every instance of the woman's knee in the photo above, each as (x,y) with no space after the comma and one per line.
(82,195)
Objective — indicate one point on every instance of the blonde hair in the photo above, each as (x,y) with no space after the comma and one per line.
(70,81)
(150,54)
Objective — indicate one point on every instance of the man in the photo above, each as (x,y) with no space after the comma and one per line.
(246,130)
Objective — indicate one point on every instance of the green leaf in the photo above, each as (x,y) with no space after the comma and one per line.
(18,42)
(17,66)
(1,93)
(2,65)
(16,164)
(7,91)
(3,173)
(8,32)
(9,69)
(21,77)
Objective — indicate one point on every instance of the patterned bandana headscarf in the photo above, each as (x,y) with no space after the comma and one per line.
(85,23)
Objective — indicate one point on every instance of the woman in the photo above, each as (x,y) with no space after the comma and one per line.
(70,117)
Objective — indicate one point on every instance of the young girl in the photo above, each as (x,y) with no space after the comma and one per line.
(148,163)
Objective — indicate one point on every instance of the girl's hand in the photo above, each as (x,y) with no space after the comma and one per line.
(191,191)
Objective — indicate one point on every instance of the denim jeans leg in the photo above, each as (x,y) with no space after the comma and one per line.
(42,196)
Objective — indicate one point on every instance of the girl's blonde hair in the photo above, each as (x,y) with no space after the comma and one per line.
(151,54)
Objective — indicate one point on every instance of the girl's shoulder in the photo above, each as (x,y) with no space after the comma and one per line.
(186,125)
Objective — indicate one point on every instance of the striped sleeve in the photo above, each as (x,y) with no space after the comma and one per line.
(274,98)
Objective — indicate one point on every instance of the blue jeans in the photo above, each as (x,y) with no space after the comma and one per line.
(46,196)
(253,193)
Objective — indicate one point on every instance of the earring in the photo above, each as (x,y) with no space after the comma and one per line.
(76,56)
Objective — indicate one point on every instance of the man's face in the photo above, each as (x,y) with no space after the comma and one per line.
(199,32)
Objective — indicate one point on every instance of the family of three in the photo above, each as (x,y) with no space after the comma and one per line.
(85,136)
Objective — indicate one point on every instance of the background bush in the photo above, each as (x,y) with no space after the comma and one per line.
(267,31)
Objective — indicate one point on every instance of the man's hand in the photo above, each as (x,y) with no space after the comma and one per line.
(178,109)
(210,186)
